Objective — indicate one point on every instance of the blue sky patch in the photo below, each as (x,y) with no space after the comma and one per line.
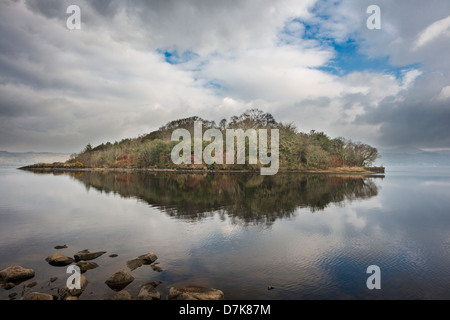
(172,56)
(349,59)
(348,56)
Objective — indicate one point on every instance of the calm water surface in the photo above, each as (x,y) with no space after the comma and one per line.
(309,236)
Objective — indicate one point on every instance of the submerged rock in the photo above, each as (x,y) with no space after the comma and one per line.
(8,286)
(134,264)
(86,265)
(156,267)
(66,292)
(86,255)
(12,295)
(154,283)
(149,257)
(16,273)
(58,259)
(148,292)
(38,296)
(146,259)
(195,293)
(122,295)
(119,280)
(61,247)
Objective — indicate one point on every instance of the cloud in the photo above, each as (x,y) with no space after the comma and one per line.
(435,31)
(445,94)
(414,119)
(134,66)
(98,84)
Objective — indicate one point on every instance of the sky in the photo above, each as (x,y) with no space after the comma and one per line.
(135,65)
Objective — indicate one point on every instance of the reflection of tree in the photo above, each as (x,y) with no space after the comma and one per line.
(245,198)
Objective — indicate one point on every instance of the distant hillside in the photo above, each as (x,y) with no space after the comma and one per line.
(32,157)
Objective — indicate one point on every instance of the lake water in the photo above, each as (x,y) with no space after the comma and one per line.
(308,236)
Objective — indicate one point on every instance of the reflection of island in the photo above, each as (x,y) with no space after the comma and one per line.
(247,198)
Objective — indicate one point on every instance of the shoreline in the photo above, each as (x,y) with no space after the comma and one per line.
(342,170)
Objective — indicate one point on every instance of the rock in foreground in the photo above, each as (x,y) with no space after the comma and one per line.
(146,259)
(87,255)
(122,295)
(195,293)
(148,292)
(86,265)
(16,273)
(58,259)
(38,296)
(119,280)
(65,292)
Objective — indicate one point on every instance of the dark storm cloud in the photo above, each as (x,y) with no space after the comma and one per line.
(107,7)
(415,124)
(420,118)
(49,8)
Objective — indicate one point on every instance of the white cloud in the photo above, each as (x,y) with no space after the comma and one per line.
(437,30)
(272,73)
(60,89)
(445,93)
(409,77)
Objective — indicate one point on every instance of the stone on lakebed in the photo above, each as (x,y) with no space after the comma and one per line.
(87,255)
(58,259)
(119,280)
(16,273)
(195,293)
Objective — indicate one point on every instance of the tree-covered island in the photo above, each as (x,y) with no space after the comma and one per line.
(298,151)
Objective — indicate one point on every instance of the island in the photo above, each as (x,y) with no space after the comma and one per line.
(296,151)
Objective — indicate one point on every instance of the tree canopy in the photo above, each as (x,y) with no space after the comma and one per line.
(297,150)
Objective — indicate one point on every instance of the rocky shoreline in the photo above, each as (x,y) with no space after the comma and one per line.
(337,170)
(14,276)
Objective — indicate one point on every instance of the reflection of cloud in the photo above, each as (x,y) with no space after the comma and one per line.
(229,230)
(309,255)
(436,183)
(355,220)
